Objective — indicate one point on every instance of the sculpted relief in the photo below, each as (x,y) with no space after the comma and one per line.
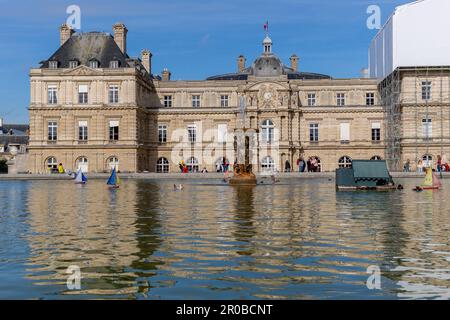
(268,97)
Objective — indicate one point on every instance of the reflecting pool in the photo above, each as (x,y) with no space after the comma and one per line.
(299,239)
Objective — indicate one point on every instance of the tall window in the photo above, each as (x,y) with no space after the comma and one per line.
(196,101)
(192,133)
(267,164)
(427,128)
(340,98)
(82,130)
(192,164)
(52,95)
(162,133)
(113,130)
(345,132)
(52,131)
(370,99)
(224,100)
(426,90)
(113,94)
(376,131)
(345,162)
(268,129)
(162,165)
(167,101)
(311,99)
(82,94)
(222,130)
(313,132)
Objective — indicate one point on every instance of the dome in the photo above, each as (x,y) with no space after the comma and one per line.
(267,66)
(267,40)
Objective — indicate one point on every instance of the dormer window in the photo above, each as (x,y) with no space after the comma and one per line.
(73,64)
(114,64)
(53,64)
(93,64)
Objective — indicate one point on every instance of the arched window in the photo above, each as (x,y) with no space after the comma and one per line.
(267,164)
(51,163)
(427,161)
(192,164)
(112,163)
(82,163)
(267,131)
(162,165)
(376,158)
(315,165)
(345,162)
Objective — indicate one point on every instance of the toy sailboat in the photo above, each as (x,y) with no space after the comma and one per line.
(80,178)
(431,181)
(113,181)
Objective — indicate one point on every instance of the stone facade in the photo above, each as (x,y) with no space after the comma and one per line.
(291,115)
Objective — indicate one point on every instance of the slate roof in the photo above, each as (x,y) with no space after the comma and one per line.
(269,65)
(19,134)
(84,47)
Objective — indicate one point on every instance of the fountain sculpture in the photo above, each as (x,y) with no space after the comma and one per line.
(243,174)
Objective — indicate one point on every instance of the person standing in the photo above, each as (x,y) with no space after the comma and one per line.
(287,166)
(406,166)
(420,166)
(439,163)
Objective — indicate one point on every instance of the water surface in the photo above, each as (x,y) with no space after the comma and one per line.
(296,240)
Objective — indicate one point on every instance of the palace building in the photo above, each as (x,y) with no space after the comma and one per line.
(93,107)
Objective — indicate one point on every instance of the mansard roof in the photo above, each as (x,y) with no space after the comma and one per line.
(84,47)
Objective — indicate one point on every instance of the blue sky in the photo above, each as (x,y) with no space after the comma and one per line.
(194,39)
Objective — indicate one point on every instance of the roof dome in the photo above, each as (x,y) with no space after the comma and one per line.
(267,40)
(267,66)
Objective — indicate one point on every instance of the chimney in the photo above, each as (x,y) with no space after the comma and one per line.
(146,57)
(166,75)
(294,62)
(65,32)
(1,122)
(120,36)
(241,63)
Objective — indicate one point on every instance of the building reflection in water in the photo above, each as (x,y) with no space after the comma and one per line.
(244,218)
(299,239)
(91,226)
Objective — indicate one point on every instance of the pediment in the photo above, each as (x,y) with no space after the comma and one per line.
(82,71)
(267,84)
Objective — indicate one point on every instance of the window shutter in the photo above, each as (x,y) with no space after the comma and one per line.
(376,125)
(222,133)
(113,123)
(345,131)
(82,123)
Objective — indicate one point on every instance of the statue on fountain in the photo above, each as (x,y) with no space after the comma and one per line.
(242,168)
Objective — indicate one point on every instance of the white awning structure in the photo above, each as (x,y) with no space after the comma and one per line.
(416,35)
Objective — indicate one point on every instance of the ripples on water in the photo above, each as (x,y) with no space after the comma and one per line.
(299,240)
